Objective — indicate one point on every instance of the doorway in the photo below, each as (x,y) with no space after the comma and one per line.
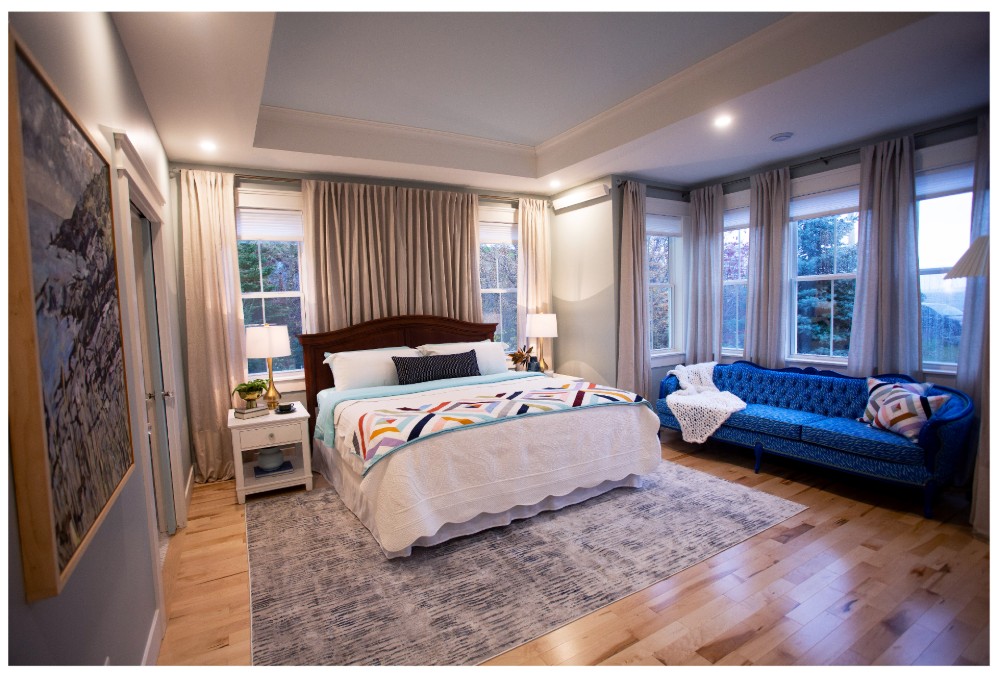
(157,439)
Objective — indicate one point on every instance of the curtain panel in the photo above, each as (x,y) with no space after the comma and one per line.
(974,352)
(703,253)
(213,312)
(373,251)
(885,331)
(534,255)
(770,194)
(634,372)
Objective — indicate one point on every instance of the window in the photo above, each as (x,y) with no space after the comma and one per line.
(498,271)
(735,272)
(268,248)
(825,272)
(942,239)
(662,253)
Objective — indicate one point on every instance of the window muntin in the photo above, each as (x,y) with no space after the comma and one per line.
(660,288)
(824,284)
(735,273)
(943,225)
(268,247)
(498,285)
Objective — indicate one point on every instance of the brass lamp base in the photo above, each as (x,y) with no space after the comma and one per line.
(272,396)
(542,365)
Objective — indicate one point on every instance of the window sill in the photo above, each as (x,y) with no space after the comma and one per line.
(817,362)
(287,382)
(665,358)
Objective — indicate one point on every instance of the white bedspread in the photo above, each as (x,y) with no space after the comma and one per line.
(454,477)
(700,407)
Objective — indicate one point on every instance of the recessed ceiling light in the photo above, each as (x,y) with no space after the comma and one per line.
(554,184)
(208,146)
(781,137)
(722,121)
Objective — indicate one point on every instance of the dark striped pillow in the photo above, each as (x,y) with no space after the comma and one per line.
(429,368)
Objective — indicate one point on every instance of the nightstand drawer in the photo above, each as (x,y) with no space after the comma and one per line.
(270,435)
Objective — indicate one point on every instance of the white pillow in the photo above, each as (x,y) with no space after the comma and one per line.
(490,355)
(371,367)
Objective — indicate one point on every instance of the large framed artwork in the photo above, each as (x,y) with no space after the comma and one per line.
(70,437)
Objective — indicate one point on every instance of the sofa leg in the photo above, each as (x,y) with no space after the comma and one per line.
(930,493)
(758,454)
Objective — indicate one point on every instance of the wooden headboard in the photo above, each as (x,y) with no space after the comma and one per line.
(395,331)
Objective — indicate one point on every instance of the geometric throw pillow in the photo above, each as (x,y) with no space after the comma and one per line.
(905,412)
(430,368)
(878,389)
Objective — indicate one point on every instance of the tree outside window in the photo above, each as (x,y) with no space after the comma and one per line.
(271,293)
(661,292)
(735,272)
(827,264)
(498,283)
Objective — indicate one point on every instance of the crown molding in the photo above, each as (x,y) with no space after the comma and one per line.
(316,133)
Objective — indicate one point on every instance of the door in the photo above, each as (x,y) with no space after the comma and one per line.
(157,439)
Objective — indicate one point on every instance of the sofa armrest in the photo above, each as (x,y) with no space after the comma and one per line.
(945,436)
(668,385)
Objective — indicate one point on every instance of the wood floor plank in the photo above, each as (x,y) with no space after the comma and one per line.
(858,578)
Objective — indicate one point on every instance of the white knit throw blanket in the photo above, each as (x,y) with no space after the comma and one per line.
(699,406)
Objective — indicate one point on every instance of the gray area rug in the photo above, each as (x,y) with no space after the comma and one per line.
(322,593)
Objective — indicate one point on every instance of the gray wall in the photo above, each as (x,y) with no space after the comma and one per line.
(584,294)
(107,609)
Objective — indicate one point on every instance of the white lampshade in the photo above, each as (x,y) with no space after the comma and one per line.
(268,341)
(975,261)
(541,325)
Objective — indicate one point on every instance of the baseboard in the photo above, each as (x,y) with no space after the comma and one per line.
(155,638)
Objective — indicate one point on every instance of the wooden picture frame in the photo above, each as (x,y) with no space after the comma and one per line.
(70,432)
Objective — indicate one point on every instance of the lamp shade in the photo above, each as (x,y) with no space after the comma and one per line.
(541,325)
(975,261)
(268,341)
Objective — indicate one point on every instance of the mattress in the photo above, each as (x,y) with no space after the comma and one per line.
(456,483)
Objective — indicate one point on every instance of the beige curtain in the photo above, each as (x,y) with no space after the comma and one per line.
(373,251)
(440,247)
(885,330)
(214,350)
(974,354)
(765,334)
(534,253)
(634,370)
(351,253)
(703,254)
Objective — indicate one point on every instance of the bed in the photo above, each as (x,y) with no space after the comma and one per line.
(453,484)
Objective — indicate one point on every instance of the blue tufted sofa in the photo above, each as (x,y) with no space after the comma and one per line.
(812,415)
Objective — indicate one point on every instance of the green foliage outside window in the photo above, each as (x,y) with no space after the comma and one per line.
(827,249)
(269,281)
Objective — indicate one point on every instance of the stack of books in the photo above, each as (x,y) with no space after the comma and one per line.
(251,412)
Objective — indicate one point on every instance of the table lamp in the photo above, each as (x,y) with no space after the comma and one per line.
(540,326)
(269,341)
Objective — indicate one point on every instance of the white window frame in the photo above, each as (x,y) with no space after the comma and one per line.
(736,215)
(665,217)
(252,205)
(498,224)
(944,170)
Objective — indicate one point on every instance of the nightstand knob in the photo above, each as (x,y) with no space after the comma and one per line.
(270,436)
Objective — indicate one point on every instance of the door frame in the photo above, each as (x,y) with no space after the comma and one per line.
(136,185)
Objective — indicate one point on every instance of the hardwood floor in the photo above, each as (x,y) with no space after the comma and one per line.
(858,578)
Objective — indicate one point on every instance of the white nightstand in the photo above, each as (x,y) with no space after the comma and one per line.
(271,430)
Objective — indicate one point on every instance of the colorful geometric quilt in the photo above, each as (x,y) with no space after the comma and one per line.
(383,431)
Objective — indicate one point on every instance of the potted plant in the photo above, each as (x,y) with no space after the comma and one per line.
(521,357)
(249,391)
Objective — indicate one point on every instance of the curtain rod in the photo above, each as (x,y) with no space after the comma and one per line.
(495,197)
(247,176)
